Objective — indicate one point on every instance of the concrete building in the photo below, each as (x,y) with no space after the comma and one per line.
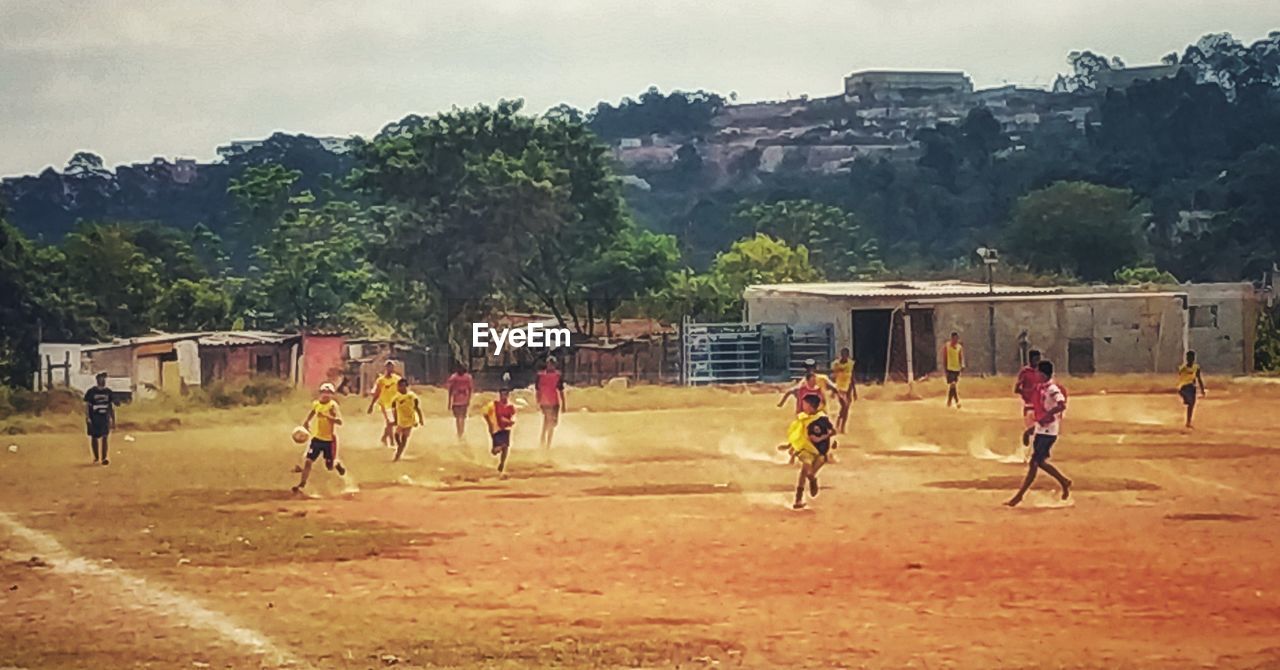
(896,329)
(904,86)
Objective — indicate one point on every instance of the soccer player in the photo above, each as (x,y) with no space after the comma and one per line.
(812,383)
(324,440)
(952,356)
(1050,405)
(809,439)
(99,416)
(1027,387)
(550,391)
(846,388)
(408,413)
(500,415)
(384,390)
(1188,377)
(459,387)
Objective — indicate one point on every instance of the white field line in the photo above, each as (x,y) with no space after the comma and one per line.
(140,594)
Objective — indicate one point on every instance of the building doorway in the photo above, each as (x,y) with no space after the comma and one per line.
(871,343)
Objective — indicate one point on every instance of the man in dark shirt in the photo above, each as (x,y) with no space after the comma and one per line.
(100,416)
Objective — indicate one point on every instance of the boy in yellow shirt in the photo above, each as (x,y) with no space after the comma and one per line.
(324,440)
(408,415)
(1188,377)
(384,391)
(846,388)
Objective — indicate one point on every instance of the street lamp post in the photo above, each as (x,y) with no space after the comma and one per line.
(990,258)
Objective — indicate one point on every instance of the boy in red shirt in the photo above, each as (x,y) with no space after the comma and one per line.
(459,387)
(500,415)
(1028,388)
(550,389)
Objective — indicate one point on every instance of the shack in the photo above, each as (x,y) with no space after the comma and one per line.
(895,329)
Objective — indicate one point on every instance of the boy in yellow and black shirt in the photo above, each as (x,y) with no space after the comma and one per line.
(407,412)
(809,439)
(1188,377)
(324,439)
(385,389)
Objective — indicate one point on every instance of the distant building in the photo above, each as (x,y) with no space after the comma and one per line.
(904,86)
(896,328)
(1126,77)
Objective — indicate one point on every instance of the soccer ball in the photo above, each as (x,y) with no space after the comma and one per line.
(301,435)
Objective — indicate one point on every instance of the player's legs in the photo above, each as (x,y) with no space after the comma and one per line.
(502,458)
(1056,474)
(460,419)
(306,474)
(1026,483)
(402,441)
(843,418)
(550,417)
(93,442)
(105,436)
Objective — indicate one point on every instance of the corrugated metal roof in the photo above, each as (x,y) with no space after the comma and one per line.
(153,338)
(240,338)
(899,289)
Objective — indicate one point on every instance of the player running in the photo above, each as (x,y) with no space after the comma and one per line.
(846,388)
(408,414)
(324,440)
(1050,405)
(1027,387)
(384,390)
(952,356)
(813,383)
(809,439)
(500,415)
(99,416)
(459,387)
(550,391)
(1188,377)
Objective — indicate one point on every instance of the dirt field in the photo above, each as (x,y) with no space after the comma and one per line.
(657,533)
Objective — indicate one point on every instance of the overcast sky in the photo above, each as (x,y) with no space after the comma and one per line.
(134,79)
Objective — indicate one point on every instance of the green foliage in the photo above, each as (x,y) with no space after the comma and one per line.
(1078,228)
(636,264)
(680,112)
(838,246)
(1266,348)
(121,282)
(1144,274)
(189,304)
(17,400)
(312,266)
(257,391)
(263,194)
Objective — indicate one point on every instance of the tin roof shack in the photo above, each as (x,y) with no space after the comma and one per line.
(239,356)
(895,329)
(138,367)
(366,358)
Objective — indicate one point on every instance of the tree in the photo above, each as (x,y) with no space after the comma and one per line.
(484,203)
(312,267)
(20,310)
(679,113)
(1079,228)
(1145,274)
(187,305)
(758,260)
(263,194)
(838,246)
(635,265)
(101,262)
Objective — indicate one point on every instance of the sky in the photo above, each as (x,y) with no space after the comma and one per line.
(133,79)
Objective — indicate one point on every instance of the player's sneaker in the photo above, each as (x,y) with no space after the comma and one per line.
(813,486)
(106,462)
(342,469)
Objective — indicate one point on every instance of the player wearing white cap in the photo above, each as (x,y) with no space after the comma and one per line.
(324,439)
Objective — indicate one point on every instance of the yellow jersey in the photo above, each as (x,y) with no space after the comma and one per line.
(387,390)
(955,357)
(499,416)
(798,432)
(842,374)
(1187,374)
(325,412)
(405,406)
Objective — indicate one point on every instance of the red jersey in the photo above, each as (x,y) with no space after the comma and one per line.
(460,388)
(549,385)
(1029,382)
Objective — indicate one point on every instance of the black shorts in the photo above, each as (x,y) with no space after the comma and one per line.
(501,440)
(99,426)
(953,376)
(321,448)
(823,447)
(1188,394)
(1042,445)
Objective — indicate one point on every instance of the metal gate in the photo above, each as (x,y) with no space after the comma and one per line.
(729,353)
